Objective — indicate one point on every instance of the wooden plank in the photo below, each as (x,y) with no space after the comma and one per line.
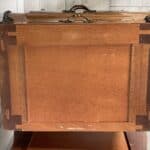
(84,84)
(145,26)
(98,18)
(45,35)
(5,92)
(17,81)
(139,78)
(145,38)
(41,55)
(1,42)
(77,84)
(79,126)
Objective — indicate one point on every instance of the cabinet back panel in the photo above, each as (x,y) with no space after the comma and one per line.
(77,83)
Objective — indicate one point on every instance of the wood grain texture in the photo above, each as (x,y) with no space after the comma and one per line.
(78,34)
(56,18)
(83,79)
(139,78)
(17,83)
(78,77)
(79,126)
(9,121)
(77,84)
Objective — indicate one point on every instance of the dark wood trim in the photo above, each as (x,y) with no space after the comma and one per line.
(9,121)
(145,26)
(144,38)
(138,82)
(143,120)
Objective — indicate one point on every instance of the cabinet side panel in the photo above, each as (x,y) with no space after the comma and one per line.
(139,81)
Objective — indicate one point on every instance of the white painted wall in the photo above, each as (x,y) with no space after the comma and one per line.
(59,5)
(130,5)
(148,141)
(114,5)
(13,5)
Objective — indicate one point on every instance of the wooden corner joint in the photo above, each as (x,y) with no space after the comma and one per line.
(143,121)
(144,34)
(12,120)
(149,115)
(7,36)
(2,47)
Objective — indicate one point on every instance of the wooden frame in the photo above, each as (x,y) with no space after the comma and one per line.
(31,48)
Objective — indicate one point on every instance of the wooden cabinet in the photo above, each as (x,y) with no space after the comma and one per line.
(76,76)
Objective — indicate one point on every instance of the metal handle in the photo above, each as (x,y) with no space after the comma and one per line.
(6,17)
(77,18)
(147,19)
(79,7)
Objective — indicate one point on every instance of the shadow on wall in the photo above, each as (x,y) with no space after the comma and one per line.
(6,137)
(148,139)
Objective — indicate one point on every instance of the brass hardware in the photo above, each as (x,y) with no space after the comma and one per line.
(6,17)
(147,19)
(79,7)
(77,17)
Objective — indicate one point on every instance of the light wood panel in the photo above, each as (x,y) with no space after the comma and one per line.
(77,84)
(77,34)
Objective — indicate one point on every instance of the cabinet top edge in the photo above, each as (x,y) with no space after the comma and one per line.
(95,18)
